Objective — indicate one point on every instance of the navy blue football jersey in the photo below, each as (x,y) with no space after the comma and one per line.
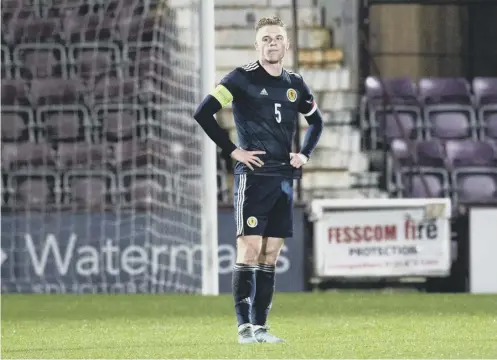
(266,111)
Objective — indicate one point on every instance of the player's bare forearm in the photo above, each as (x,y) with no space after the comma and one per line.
(313,133)
(204,115)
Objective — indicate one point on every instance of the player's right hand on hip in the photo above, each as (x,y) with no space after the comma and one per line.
(249,158)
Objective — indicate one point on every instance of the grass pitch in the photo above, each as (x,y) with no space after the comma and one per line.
(316,325)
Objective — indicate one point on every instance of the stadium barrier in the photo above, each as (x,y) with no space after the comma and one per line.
(96,254)
(381,237)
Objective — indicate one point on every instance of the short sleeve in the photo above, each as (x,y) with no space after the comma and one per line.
(307,103)
(227,89)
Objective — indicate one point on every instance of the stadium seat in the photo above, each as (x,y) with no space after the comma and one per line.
(39,62)
(423,183)
(57,91)
(489,126)
(470,153)
(435,91)
(475,184)
(485,91)
(14,91)
(143,186)
(399,91)
(89,188)
(13,127)
(430,153)
(380,119)
(450,125)
(84,155)
(30,191)
(31,29)
(89,27)
(27,154)
(446,95)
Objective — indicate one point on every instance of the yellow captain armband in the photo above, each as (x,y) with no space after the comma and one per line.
(222,95)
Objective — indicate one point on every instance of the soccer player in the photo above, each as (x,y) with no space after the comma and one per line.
(266,100)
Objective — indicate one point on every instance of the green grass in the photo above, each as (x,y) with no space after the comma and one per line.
(317,325)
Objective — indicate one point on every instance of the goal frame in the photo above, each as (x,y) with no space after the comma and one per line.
(209,230)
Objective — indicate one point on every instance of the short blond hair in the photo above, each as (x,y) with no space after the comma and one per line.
(266,21)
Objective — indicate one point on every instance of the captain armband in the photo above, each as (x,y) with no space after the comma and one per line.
(223,95)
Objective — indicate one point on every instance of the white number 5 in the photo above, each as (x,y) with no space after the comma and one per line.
(277,112)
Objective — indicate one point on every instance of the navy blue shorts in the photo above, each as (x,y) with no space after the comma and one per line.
(263,205)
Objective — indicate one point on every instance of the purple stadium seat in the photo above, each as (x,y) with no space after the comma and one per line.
(450,125)
(89,192)
(490,126)
(444,91)
(40,64)
(118,125)
(148,63)
(33,193)
(82,155)
(134,153)
(56,91)
(125,8)
(144,192)
(400,90)
(430,153)
(14,92)
(470,153)
(399,126)
(13,126)
(88,27)
(134,28)
(28,153)
(425,184)
(62,127)
(400,151)
(92,64)
(485,90)
(115,89)
(31,29)
(475,185)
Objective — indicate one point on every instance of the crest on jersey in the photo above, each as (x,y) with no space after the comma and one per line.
(291,94)
(252,221)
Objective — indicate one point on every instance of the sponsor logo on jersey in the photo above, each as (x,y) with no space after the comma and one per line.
(291,94)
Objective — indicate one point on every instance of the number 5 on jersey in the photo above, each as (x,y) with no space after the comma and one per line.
(277,112)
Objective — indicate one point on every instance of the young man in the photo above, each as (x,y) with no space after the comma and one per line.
(266,102)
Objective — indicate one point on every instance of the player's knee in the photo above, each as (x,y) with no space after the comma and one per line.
(248,249)
(271,251)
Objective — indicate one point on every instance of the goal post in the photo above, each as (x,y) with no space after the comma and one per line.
(209,233)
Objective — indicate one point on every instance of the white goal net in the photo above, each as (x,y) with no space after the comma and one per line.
(101,157)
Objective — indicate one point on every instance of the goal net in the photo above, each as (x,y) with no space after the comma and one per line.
(101,157)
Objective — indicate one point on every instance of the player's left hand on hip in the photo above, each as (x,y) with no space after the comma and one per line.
(298,160)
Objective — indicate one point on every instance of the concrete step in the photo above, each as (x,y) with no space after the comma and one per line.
(338,138)
(336,100)
(325,80)
(247,17)
(325,158)
(229,59)
(244,38)
(320,58)
(312,179)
